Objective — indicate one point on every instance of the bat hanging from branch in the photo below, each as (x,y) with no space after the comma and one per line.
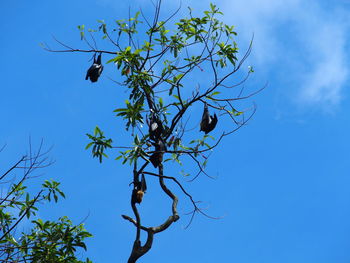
(140,188)
(94,72)
(157,157)
(208,122)
(155,127)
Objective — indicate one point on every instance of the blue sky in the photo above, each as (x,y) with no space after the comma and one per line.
(282,182)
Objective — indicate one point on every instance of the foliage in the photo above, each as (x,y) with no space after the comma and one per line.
(99,144)
(43,241)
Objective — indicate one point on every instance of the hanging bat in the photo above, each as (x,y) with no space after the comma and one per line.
(208,122)
(95,70)
(157,157)
(140,188)
(155,127)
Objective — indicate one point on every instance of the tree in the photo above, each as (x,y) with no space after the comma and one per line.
(162,66)
(45,241)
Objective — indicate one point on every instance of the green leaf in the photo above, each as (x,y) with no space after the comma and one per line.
(89,145)
(119,157)
(214,93)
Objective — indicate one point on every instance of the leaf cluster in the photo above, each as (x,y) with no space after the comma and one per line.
(99,143)
(43,241)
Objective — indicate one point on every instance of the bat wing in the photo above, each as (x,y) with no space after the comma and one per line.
(213,122)
(154,159)
(88,73)
(205,119)
(143,183)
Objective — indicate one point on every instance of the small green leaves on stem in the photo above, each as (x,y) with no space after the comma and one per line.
(53,190)
(199,143)
(227,51)
(135,152)
(128,26)
(82,32)
(99,144)
(132,112)
(250,69)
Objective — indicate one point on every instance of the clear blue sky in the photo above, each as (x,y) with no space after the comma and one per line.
(282,182)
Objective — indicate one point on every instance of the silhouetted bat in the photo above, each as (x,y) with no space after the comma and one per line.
(157,157)
(208,122)
(155,127)
(95,70)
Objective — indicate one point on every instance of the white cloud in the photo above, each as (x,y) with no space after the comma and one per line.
(328,74)
(303,42)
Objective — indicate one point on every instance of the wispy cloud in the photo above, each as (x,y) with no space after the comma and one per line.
(326,78)
(301,41)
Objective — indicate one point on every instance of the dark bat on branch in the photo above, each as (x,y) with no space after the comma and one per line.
(94,72)
(208,122)
(140,188)
(157,157)
(155,127)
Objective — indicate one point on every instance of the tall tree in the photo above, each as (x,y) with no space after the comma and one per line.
(170,70)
